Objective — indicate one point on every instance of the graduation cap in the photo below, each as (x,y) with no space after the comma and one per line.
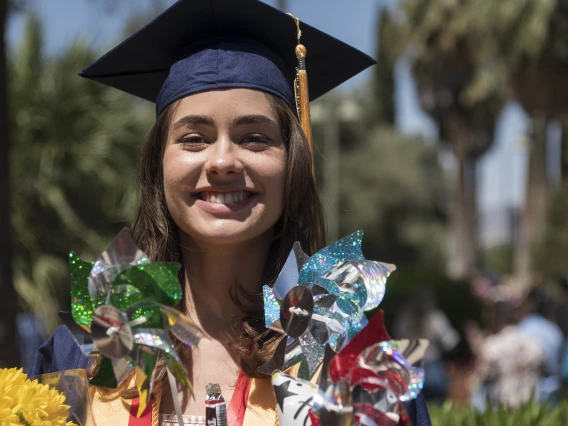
(200,45)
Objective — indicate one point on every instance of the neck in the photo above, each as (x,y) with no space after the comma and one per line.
(211,270)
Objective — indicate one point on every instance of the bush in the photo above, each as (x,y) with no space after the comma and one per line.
(530,414)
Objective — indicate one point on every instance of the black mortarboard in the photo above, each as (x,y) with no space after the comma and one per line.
(199,45)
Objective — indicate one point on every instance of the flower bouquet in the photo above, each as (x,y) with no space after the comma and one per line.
(31,402)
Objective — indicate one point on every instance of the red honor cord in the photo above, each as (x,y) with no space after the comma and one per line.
(239,401)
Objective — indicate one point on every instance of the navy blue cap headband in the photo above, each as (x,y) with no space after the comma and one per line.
(224,64)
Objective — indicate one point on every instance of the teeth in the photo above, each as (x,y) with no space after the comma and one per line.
(224,197)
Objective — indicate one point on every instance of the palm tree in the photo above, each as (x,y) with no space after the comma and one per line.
(532,51)
(462,97)
(524,44)
(74,155)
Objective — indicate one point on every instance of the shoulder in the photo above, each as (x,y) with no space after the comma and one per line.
(541,327)
(60,352)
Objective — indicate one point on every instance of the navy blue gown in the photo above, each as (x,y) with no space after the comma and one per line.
(61,352)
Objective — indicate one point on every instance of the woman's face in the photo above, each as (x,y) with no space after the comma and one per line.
(224,166)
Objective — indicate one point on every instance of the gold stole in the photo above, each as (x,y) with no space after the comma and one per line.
(110,410)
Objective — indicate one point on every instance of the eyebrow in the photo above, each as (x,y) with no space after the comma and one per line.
(208,121)
(193,119)
(253,119)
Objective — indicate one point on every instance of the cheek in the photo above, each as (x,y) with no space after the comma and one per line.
(171,169)
(275,178)
(180,172)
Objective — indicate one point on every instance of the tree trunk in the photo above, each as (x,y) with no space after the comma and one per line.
(533,221)
(9,350)
(462,236)
(471,214)
(383,83)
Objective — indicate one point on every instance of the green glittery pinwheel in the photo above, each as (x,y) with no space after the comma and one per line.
(122,308)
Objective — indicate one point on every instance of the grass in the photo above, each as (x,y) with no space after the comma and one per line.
(530,414)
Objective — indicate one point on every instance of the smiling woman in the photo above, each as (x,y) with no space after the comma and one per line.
(227,182)
(202,150)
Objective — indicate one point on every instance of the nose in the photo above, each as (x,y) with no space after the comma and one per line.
(224,159)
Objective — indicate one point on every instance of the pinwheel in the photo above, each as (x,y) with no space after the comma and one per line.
(365,383)
(319,302)
(122,310)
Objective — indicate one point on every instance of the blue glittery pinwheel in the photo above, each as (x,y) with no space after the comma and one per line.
(320,301)
(122,309)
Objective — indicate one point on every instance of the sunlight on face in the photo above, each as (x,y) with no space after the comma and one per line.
(224,166)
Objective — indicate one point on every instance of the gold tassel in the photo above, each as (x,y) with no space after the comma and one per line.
(303,97)
(301,87)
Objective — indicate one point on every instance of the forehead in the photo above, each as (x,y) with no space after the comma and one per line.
(225,104)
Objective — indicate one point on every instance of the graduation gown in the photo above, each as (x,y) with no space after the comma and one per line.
(61,352)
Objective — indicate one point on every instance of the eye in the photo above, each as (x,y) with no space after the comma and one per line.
(256,141)
(193,140)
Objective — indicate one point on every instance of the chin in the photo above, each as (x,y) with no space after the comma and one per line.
(228,232)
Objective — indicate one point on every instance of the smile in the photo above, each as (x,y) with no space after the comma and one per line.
(225,202)
(224,197)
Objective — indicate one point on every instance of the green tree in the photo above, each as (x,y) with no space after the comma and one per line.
(390,187)
(463,97)
(74,155)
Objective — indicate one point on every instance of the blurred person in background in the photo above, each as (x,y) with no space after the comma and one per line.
(509,363)
(32,334)
(535,324)
(422,318)
(562,321)
(562,306)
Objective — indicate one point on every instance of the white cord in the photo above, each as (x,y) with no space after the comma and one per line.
(175,397)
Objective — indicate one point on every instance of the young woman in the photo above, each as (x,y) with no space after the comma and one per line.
(235,191)
(226,181)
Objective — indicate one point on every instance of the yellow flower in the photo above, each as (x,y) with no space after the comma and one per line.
(30,403)
(10,380)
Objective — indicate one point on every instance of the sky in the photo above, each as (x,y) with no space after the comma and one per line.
(503,169)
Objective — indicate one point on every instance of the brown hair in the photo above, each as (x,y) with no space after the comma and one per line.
(302,220)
